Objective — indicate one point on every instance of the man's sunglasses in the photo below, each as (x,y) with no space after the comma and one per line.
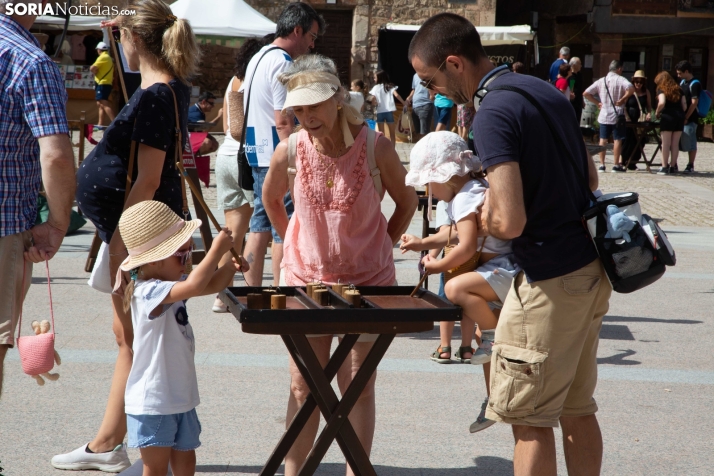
(183,256)
(427,84)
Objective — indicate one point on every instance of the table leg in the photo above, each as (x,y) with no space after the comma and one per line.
(327,400)
(632,154)
(338,423)
(302,416)
(658,148)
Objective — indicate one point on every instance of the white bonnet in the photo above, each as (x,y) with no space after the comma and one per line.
(438,156)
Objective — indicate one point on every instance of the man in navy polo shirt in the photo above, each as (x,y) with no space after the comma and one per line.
(555,67)
(544,356)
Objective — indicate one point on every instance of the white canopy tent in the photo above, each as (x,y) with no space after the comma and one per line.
(76,23)
(230,18)
(490,35)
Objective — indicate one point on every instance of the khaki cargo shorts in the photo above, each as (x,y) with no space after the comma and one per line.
(12,289)
(544,361)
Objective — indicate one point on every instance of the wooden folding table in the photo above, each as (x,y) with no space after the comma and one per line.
(386,311)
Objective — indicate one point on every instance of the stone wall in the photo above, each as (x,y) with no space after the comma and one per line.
(371,15)
(215,69)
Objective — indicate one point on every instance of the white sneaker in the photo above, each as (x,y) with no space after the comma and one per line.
(219,306)
(113,461)
(481,422)
(483,353)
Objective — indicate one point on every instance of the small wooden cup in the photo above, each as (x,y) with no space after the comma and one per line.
(353,297)
(267,294)
(277,301)
(255,301)
(320,296)
(310,287)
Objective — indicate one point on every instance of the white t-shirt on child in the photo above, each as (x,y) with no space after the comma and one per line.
(385,99)
(356,100)
(467,201)
(162,380)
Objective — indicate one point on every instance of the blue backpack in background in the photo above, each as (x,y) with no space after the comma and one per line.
(705,99)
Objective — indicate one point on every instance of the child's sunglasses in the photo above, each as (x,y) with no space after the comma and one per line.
(183,256)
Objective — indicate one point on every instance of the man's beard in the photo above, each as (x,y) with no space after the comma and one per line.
(455,91)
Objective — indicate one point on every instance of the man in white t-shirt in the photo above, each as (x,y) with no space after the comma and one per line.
(297,29)
(612,91)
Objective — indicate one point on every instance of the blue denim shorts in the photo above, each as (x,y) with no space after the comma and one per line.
(387,117)
(443,115)
(688,141)
(179,431)
(618,133)
(102,92)
(259,222)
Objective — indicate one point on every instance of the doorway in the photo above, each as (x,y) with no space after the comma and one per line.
(336,43)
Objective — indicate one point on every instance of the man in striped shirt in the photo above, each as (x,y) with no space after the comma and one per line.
(34,148)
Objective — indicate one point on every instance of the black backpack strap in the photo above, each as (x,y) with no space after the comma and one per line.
(250,88)
(558,139)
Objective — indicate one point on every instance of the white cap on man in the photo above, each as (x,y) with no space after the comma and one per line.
(102,46)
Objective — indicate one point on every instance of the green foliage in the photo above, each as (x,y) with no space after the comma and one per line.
(709,119)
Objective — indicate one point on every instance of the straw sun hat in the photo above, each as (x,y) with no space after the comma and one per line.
(152,232)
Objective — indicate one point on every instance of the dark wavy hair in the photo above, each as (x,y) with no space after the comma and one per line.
(248,49)
(383,78)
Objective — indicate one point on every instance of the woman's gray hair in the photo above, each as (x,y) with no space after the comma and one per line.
(312,63)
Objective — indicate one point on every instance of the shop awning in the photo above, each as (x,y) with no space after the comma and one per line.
(231,18)
(76,22)
(490,35)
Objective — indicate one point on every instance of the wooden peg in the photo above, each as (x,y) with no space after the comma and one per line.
(320,296)
(338,288)
(353,297)
(311,287)
(277,301)
(267,294)
(255,301)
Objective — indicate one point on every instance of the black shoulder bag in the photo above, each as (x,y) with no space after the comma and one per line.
(621,119)
(245,173)
(630,265)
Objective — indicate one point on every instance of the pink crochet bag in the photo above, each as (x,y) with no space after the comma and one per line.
(37,352)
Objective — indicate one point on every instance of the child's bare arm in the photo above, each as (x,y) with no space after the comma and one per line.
(435,241)
(201,275)
(223,277)
(468,245)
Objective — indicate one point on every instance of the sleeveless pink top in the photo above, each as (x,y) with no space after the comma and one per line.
(336,233)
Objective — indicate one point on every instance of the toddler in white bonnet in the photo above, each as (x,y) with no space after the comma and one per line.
(453,174)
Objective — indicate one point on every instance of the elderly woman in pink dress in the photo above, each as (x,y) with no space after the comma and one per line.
(337,170)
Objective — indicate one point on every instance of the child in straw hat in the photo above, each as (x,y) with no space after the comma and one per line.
(162,393)
(442,160)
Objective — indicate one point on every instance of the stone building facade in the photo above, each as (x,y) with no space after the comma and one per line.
(651,35)
(353,25)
